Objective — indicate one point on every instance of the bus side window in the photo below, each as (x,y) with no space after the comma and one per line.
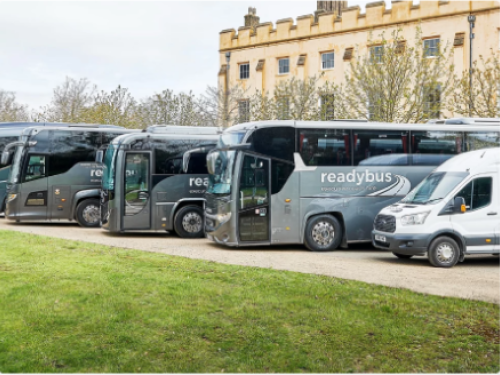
(479,140)
(198,163)
(35,168)
(380,147)
(277,142)
(324,147)
(435,147)
(72,147)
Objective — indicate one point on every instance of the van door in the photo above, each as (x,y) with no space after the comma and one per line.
(254,200)
(136,209)
(34,188)
(482,218)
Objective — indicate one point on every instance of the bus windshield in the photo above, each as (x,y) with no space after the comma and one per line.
(108,172)
(16,166)
(230,139)
(220,166)
(435,187)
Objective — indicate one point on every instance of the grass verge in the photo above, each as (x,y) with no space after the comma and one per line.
(78,307)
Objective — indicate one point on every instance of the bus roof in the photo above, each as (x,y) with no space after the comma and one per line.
(364,125)
(130,138)
(21,124)
(176,129)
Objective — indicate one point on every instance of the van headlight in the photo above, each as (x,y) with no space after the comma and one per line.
(414,219)
(11,197)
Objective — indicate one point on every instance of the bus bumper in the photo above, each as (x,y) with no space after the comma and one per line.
(407,244)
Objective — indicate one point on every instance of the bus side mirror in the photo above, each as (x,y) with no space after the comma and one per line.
(99,156)
(6,156)
(459,205)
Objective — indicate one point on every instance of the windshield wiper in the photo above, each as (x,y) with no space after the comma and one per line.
(435,199)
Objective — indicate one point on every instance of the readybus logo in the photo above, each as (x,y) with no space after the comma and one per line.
(356,177)
(198,181)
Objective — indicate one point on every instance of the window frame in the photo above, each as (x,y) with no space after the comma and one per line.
(241,68)
(376,58)
(473,182)
(246,117)
(279,65)
(323,54)
(427,55)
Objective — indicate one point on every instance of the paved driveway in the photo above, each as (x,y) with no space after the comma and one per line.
(477,278)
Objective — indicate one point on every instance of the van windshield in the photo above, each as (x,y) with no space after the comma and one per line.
(435,187)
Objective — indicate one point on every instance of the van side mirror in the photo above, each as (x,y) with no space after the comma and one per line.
(459,205)
(99,156)
(6,158)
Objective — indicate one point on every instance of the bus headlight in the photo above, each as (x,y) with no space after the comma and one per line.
(223,218)
(11,197)
(415,219)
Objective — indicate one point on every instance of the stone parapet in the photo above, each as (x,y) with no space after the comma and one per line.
(352,20)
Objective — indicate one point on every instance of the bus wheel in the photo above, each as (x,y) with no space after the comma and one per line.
(444,252)
(188,222)
(88,213)
(323,233)
(403,256)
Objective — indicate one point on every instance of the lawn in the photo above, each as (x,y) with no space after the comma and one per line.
(78,307)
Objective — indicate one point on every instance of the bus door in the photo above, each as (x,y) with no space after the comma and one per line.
(254,198)
(136,212)
(34,188)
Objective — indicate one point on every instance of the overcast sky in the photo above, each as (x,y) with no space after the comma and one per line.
(144,46)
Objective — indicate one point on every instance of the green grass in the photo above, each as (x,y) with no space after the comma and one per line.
(78,307)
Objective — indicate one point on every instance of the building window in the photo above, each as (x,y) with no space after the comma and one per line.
(376,54)
(432,102)
(284,65)
(374,107)
(327,60)
(283,108)
(327,107)
(243,111)
(431,47)
(244,71)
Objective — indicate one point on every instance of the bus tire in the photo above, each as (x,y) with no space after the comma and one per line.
(189,223)
(88,213)
(2,208)
(323,233)
(444,252)
(403,256)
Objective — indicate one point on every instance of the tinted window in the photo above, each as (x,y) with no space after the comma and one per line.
(197,163)
(324,147)
(372,144)
(434,147)
(168,155)
(254,182)
(279,175)
(70,148)
(35,168)
(479,140)
(277,142)
(4,141)
(477,193)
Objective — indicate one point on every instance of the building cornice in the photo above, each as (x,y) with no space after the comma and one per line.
(355,29)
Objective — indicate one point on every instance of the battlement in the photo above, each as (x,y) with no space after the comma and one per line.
(352,19)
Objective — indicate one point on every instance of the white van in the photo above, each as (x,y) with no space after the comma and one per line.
(453,212)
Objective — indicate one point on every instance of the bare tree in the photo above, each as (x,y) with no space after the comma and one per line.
(212,106)
(69,101)
(10,109)
(170,108)
(117,107)
(482,99)
(396,83)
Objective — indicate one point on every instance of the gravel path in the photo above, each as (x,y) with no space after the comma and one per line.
(477,278)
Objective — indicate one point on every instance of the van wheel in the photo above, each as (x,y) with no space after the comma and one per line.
(444,252)
(88,213)
(403,256)
(188,222)
(323,233)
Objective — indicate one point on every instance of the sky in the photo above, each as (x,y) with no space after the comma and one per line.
(144,46)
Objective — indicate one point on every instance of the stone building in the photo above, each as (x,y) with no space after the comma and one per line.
(263,54)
